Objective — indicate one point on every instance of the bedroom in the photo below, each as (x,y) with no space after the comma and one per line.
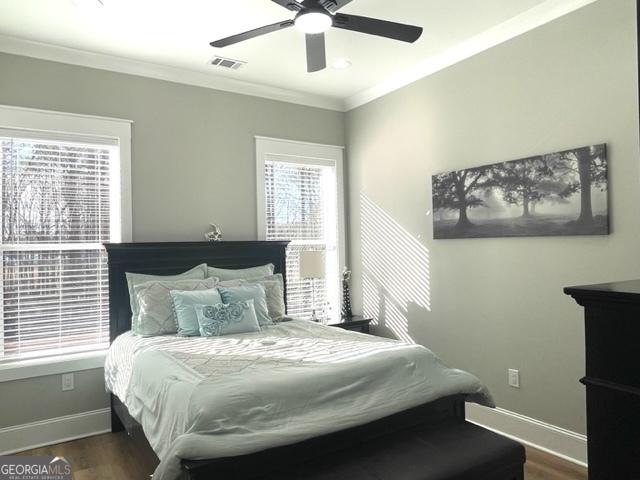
(198,144)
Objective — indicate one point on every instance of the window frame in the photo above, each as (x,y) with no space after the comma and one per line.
(304,153)
(77,126)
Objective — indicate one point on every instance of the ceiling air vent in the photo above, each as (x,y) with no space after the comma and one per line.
(227,63)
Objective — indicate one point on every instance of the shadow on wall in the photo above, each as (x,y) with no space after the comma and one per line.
(395,272)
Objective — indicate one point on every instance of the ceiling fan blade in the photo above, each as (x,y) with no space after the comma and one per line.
(381,28)
(241,37)
(316,55)
(334,5)
(292,5)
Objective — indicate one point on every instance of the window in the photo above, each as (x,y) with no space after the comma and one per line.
(300,199)
(61,199)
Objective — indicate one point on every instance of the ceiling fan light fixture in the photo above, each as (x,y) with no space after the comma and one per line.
(314,18)
(313,22)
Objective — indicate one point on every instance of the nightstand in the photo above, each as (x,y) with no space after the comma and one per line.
(356,323)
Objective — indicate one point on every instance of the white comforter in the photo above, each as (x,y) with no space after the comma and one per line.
(200,398)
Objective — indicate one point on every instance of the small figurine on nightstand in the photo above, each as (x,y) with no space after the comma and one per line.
(346,294)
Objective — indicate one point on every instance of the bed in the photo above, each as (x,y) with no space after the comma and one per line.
(332,421)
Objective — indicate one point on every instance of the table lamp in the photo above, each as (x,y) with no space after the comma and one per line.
(312,267)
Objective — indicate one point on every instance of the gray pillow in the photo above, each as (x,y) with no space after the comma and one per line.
(156,315)
(183,305)
(242,273)
(134,279)
(274,293)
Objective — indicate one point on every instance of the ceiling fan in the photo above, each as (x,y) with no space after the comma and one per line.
(314,17)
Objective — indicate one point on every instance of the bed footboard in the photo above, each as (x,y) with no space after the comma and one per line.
(442,412)
(445,411)
(452,450)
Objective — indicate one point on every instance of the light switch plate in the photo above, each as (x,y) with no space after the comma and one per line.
(514,378)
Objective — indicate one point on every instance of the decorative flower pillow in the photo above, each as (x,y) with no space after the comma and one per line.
(156,315)
(226,319)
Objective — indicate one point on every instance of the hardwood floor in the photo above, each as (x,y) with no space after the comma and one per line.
(542,466)
(103,457)
(109,457)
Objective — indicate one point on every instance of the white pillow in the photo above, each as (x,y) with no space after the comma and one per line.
(271,277)
(133,279)
(230,283)
(156,314)
(242,273)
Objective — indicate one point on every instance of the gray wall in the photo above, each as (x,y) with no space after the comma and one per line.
(32,399)
(193,162)
(487,305)
(483,305)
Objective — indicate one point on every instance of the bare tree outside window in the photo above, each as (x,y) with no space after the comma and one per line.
(56,211)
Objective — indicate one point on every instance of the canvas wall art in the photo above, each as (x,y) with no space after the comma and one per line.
(562,193)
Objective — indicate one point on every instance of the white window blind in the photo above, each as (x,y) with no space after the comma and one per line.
(301,206)
(59,204)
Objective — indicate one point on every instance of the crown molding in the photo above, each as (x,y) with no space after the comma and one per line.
(43,51)
(526,21)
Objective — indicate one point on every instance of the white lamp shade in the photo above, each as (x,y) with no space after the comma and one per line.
(312,264)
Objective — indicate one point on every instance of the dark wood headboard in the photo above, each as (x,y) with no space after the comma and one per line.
(175,257)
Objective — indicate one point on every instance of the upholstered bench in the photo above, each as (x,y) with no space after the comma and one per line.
(452,451)
(461,451)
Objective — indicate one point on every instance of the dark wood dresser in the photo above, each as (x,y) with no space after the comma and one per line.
(612,330)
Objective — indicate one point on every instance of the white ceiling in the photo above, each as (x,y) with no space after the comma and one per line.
(170,39)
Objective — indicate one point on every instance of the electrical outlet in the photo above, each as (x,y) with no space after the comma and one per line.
(67,382)
(514,378)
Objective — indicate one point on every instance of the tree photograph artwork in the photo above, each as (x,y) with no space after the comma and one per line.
(562,193)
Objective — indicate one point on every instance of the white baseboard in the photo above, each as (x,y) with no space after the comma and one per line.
(54,430)
(543,436)
(557,441)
